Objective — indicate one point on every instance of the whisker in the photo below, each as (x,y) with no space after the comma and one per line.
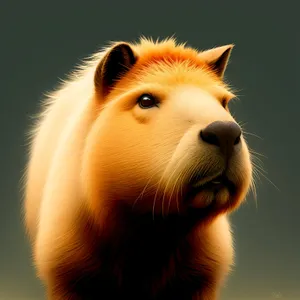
(173,189)
(271,182)
(155,172)
(157,189)
(177,166)
(176,185)
(259,171)
(258,162)
(254,153)
(253,188)
(144,189)
(183,176)
(252,134)
(243,124)
(258,167)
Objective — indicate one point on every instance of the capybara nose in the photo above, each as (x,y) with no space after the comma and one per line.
(225,135)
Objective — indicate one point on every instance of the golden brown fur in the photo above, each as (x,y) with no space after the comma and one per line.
(107,205)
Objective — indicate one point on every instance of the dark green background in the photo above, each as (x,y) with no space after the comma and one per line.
(40,41)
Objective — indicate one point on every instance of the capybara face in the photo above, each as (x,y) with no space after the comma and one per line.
(164,141)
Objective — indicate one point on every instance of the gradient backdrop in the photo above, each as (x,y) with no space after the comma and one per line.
(42,40)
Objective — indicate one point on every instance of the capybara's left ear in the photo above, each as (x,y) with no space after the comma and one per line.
(217,59)
(119,59)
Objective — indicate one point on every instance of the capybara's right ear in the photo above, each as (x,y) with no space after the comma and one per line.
(119,59)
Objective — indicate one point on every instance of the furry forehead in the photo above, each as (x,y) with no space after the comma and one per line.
(169,62)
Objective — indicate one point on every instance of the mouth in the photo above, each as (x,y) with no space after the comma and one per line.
(211,190)
(214,183)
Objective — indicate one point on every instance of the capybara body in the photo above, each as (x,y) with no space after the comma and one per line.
(135,164)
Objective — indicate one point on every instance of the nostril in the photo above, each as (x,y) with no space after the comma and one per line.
(237,140)
(209,137)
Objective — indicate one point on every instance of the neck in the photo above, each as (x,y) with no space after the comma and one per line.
(128,251)
(121,228)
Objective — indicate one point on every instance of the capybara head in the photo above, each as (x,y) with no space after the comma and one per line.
(163,140)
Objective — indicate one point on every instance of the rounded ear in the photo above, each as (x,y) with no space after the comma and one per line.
(113,66)
(217,58)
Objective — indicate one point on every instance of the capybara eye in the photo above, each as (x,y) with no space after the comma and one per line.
(147,101)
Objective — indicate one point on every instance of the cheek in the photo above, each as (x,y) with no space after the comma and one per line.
(248,167)
(119,159)
(125,157)
(246,162)
(241,170)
